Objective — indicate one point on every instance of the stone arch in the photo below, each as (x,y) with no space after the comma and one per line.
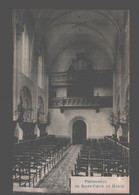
(25,94)
(26,103)
(41,103)
(81,62)
(40,112)
(72,122)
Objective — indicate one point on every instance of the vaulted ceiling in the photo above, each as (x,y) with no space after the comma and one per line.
(96,33)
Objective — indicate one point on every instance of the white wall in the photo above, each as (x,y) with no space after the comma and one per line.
(103,91)
(97,123)
(61,92)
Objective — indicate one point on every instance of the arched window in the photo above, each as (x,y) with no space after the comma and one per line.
(25,52)
(40,114)
(40,72)
(81,63)
(26,103)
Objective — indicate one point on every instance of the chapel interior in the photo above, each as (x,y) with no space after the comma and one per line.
(70,96)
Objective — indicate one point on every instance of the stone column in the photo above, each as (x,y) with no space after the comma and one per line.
(17,61)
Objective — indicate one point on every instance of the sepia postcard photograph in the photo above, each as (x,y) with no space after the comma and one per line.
(71,97)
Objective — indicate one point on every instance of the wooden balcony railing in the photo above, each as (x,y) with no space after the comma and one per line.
(101,101)
(100,77)
(60,77)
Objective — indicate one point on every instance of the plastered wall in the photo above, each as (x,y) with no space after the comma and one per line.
(60,91)
(97,123)
(103,91)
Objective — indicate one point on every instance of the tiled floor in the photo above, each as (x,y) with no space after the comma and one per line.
(58,179)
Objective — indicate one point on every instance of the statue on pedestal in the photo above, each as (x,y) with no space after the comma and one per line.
(37,131)
(119,132)
(18,133)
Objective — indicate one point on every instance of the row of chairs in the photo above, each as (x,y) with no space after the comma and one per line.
(98,157)
(32,161)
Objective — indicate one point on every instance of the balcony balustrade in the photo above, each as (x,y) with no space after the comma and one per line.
(100,77)
(60,77)
(70,102)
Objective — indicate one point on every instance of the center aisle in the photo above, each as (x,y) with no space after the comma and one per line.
(58,180)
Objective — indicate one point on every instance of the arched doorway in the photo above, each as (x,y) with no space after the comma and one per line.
(78,132)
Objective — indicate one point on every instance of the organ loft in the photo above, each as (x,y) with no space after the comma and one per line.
(70,96)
